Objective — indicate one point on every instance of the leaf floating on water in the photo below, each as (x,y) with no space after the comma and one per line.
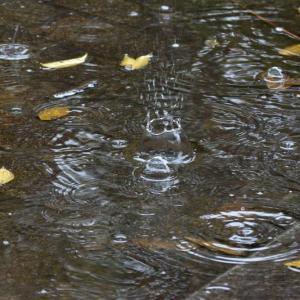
(215,246)
(134,64)
(53,113)
(65,63)
(294,264)
(293,50)
(5,176)
(212,43)
(156,244)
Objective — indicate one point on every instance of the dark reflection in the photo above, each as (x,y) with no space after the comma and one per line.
(159,179)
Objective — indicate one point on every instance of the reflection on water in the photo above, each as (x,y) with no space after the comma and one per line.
(159,179)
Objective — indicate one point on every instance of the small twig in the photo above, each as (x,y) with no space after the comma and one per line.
(291,34)
(267,21)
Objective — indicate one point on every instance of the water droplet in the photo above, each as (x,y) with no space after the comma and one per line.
(133,14)
(165,8)
(5,243)
(279,29)
(14,52)
(175,45)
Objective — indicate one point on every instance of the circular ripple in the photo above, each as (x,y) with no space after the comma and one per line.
(244,236)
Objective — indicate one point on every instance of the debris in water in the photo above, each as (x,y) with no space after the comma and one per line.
(65,63)
(5,176)
(134,64)
(53,113)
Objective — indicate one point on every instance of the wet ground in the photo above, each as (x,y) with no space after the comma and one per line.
(161,181)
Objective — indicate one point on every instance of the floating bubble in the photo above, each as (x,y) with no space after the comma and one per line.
(120,238)
(119,144)
(14,52)
(275,74)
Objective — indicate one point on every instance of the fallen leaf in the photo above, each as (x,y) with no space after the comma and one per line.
(293,50)
(5,176)
(294,263)
(53,113)
(65,63)
(215,246)
(134,64)
(212,43)
(155,244)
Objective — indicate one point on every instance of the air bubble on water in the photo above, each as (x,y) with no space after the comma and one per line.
(14,52)
(120,238)
(275,74)
(119,144)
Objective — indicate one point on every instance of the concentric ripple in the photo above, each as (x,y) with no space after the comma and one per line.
(246,235)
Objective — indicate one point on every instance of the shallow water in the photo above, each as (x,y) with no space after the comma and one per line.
(107,200)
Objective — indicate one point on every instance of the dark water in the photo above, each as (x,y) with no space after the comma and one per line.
(106,200)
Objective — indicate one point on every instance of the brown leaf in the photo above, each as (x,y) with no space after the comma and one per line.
(155,244)
(214,246)
(53,113)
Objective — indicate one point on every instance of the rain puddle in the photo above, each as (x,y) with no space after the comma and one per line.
(151,179)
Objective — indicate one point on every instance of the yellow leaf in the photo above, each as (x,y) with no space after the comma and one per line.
(134,64)
(291,50)
(294,263)
(5,176)
(53,113)
(65,63)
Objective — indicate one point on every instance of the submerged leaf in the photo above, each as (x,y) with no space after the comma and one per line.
(294,263)
(293,50)
(134,64)
(5,176)
(155,244)
(65,63)
(53,113)
(215,246)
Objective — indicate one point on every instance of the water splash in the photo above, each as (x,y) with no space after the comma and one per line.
(14,52)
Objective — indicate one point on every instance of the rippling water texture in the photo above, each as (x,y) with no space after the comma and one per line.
(159,179)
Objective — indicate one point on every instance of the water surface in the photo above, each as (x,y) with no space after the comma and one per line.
(106,200)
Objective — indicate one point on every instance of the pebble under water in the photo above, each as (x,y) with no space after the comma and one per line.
(160,179)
